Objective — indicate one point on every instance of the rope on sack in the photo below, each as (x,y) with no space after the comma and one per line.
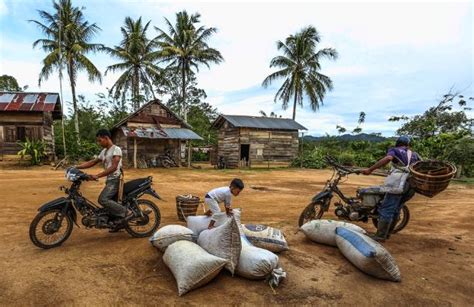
(275,277)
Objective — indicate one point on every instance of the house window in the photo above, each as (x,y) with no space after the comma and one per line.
(10,134)
(20,133)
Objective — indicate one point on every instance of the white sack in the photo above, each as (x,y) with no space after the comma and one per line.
(169,234)
(224,242)
(366,254)
(198,223)
(324,231)
(255,262)
(191,265)
(266,237)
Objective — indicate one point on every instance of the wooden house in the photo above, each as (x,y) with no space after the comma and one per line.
(244,141)
(27,115)
(151,131)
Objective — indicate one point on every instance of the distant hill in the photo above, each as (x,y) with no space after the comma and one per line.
(348,137)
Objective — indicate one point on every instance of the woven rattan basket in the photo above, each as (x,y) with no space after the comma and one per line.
(431,177)
(186,205)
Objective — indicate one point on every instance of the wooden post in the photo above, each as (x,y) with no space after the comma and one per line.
(189,153)
(134,152)
(302,149)
(54,145)
(269,142)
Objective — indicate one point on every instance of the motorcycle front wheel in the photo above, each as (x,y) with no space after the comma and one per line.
(313,211)
(402,220)
(50,229)
(146,225)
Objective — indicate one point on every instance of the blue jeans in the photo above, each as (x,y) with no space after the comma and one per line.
(390,208)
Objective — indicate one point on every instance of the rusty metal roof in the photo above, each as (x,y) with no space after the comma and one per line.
(30,102)
(163,133)
(126,119)
(258,122)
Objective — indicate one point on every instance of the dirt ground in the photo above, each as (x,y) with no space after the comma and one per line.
(94,267)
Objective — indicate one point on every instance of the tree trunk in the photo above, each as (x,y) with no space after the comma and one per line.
(294,105)
(184,106)
(74,100)
(136,89)
(183,92)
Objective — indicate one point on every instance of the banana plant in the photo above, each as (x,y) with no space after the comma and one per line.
(34,149)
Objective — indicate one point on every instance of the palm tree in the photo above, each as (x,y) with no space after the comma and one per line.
(137,55)
(185,47)
(272,114)
(300,67)
(67,42)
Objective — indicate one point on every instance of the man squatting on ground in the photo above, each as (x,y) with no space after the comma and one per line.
(224,194)
(111,157)
(389,210)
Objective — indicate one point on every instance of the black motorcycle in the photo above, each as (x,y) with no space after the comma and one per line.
(360,208)
(53,224)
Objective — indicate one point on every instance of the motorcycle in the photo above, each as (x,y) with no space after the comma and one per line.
(53,225)
(166,160)
(360,208)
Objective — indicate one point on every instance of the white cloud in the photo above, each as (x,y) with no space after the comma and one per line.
(3,8)
(376,43)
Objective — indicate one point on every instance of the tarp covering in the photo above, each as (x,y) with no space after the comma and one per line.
(163,133)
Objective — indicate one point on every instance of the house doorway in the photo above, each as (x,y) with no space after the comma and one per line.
(244,155)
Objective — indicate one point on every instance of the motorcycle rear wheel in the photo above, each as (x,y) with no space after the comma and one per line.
(46,236)
(403,220)
(313,211)
(141,227)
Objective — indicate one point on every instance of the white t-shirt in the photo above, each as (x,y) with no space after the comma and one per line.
(106,156)
(222,194)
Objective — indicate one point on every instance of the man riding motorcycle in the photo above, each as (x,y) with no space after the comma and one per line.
(396,185)
(111,157)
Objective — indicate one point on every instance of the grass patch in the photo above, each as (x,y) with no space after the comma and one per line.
(469,181)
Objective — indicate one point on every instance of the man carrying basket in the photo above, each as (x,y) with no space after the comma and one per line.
(396,186)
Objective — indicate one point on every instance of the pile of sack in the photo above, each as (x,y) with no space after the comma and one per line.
(196,254)
(366,254)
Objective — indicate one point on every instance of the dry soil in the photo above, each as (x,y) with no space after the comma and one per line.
(94,267)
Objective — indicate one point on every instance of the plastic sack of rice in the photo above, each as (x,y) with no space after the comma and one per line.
(224,242)
(366,254)
(256,262)
(169,234)
(266,237)
(191,265)
(324,231)
(198,223)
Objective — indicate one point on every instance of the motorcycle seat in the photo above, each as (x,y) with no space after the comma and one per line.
(371,190)
(135,184)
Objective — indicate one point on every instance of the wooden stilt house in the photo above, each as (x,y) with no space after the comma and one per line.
(244,141)
(151,131)
(27,116)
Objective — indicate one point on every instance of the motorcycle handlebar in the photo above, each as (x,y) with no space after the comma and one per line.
(331,161)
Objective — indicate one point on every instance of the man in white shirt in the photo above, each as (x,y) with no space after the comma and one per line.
(222,195)
(111,157)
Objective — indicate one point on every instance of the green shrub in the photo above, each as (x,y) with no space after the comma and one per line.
(311,159)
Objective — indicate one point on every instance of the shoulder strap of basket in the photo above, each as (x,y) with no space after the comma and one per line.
(404,168)
(121,182)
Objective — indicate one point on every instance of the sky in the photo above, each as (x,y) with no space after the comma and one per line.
(395,58)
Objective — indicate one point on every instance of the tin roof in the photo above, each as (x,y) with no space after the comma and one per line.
(163,133)
(258,122)
(30,102)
